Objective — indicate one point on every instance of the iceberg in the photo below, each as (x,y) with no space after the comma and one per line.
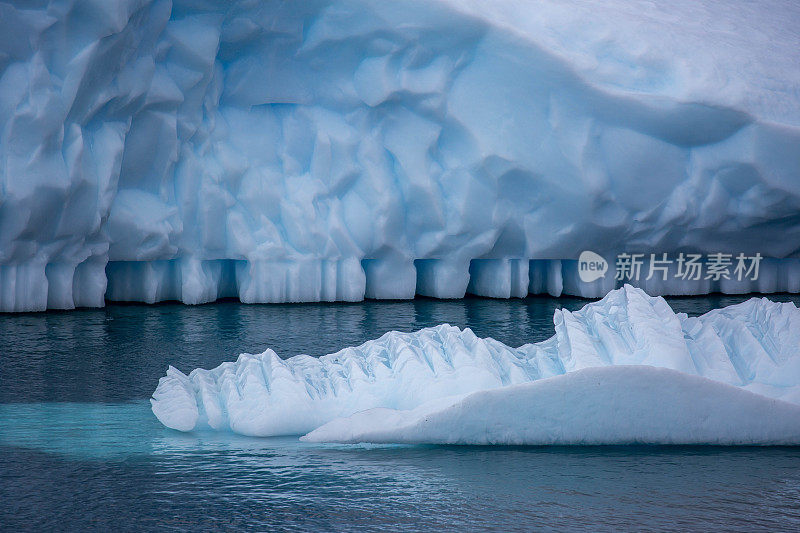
(264,395)
(729,376)
(340,149)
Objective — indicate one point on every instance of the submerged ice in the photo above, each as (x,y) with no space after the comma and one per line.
(629,353)
(303,151)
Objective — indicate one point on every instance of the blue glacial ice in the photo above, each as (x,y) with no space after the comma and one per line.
(342,149)
(622,369)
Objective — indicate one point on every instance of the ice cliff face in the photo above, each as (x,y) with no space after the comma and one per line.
(753,346)
(332,150)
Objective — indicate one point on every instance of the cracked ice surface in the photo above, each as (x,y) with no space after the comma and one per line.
(333,150)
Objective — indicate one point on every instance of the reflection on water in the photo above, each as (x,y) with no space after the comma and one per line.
(79,448)
(118,353)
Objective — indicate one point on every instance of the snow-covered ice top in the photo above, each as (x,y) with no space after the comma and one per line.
(754,346)
(296,151)
(594,406)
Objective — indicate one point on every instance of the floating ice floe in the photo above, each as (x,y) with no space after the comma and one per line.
(623,369)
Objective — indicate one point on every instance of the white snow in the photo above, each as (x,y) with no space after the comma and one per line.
(747,354)
(296,151)
(604,405)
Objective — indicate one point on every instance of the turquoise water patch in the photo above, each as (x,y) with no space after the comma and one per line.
(123,431)
(84,430)
(108,432)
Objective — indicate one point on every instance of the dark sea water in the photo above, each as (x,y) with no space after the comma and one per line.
(80,449)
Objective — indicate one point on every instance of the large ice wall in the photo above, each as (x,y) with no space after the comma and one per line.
(332,150)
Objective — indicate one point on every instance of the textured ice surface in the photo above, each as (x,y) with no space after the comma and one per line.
(753,346)
(265,395)
(608,405)
(328,150)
